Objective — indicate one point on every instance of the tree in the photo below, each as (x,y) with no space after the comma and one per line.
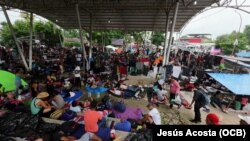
(227,42)
(158,38)
(49,33)
(247,33)
(21,29)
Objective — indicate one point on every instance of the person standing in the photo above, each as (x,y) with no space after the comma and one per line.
(77,73)
(174,90)
(199,100)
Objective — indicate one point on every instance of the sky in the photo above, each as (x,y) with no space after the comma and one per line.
(217,21)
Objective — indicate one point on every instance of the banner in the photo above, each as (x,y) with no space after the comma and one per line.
(215,133)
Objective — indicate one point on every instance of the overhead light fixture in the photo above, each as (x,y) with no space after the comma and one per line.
(195,2)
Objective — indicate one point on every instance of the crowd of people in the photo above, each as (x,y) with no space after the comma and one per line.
(60,70)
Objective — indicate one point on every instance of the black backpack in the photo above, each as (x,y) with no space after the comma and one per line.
(203,98)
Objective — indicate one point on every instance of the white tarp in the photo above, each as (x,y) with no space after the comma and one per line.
(176,71)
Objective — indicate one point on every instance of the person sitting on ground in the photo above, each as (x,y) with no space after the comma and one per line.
(154,115)
(244,102)
(74,107)
(57,100)
(212,119)
(91,118)
(217,100)
(40,105)
(160,97)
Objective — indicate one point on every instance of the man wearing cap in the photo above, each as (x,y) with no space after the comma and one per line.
(244,120)
(39,105)
(212,119)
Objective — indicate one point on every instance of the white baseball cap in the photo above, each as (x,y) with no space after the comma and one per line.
(245,118)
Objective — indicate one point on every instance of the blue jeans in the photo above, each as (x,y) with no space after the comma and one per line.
(102,123)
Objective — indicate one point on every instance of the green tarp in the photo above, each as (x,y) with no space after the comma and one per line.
(7,79)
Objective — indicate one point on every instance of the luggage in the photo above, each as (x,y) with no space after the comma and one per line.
(69,127)
(68,115)
(57,114)
(120,107)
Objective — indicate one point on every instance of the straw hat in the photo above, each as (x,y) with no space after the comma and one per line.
(42,95)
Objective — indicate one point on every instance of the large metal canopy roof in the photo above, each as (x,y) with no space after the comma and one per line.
(136,15)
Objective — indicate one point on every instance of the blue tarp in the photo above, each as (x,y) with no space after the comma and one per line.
(239,84)
(243,54)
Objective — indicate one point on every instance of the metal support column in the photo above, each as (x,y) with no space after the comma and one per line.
(91,36)
(81,37)
(31,40)
(172,31)
(14,36)
(166,38)
(165,44)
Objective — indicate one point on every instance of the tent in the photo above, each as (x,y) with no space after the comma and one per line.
(243,54)
(7,79)
(236,83)
(111,47)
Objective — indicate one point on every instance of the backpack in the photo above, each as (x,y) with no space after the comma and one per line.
(68,115)
(107,102)
(69,127)
(203,99)
(120,107)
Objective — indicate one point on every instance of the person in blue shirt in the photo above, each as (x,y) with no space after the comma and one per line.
(17,81)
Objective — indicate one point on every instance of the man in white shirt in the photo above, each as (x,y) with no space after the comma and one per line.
(77,73)
(155,115)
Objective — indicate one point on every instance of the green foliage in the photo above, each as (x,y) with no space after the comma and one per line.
(71,33)
(247,33)
(158,38)
(47,31)
(71,44)
(227,42)
(109,35)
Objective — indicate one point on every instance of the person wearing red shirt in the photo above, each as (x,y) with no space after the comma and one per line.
(91,118)
(174,89)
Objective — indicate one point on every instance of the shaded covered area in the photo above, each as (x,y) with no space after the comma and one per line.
(237,83)
(139,15)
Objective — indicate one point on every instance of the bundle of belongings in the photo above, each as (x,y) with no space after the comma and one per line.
(30,128)
(131,91)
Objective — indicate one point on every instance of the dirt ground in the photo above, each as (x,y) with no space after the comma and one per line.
(184,114)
